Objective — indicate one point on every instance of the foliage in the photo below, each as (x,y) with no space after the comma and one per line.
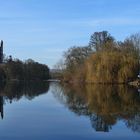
(76,56)
(100,40)
(28,70)
(104,60)
(111,67)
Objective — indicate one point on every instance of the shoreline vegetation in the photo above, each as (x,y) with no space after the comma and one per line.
(103,61)
(17,70)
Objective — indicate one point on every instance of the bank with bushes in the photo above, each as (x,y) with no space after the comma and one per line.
(103,60)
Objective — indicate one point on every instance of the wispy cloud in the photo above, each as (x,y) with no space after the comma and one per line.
(115,22)
(120,21)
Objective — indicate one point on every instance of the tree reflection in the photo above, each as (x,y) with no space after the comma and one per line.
(14,91)
(1,106)
(134,123)
(103,104)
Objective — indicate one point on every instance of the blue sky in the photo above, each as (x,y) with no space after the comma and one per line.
(44,29)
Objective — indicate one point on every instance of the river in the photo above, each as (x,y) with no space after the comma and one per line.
(50,111)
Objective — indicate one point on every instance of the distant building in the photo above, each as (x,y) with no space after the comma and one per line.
(1,51)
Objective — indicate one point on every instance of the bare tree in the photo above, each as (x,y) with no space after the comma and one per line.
(99,39)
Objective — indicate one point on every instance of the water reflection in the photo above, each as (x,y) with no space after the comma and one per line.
(104,105)
(14,91)
(1,106)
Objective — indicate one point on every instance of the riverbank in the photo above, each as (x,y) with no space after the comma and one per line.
(135,83)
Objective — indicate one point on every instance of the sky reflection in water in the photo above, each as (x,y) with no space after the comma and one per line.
(41,111)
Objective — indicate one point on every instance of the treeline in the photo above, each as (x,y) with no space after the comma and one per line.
(19,70)
(104,60)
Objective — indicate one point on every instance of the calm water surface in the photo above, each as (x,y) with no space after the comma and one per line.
(43,111)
